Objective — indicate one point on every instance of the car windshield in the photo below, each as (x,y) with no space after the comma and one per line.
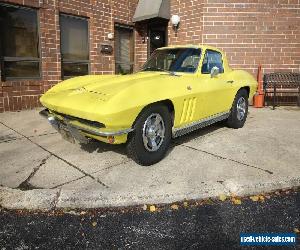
(174,60)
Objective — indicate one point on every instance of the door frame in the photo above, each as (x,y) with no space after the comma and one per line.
(132,44)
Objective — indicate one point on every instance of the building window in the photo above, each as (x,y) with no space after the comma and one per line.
(74,46)
(124,49)
(19,42)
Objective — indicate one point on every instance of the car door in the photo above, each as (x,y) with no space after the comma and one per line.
(188,100)
(215,89)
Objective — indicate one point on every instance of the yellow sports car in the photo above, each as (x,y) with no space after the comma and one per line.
(178,90)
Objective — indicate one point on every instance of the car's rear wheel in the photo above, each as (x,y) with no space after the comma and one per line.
(239,110)
(150,140)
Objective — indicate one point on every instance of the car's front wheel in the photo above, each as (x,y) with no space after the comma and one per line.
(150,140)
(239,110)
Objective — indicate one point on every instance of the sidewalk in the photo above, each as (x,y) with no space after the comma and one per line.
(39,170)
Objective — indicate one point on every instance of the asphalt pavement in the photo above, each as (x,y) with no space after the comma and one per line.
(202,224)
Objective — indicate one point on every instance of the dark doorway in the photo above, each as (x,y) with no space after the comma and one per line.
(157,33)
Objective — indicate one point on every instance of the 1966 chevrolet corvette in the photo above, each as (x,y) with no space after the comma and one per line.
(178,90)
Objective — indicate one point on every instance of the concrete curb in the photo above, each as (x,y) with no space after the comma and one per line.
(32,200)
(51,199)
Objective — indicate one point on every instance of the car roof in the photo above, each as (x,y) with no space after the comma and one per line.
(200,46)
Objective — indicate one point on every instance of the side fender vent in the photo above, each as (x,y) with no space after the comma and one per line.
(188,111)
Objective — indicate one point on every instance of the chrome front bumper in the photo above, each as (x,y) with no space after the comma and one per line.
(76,130)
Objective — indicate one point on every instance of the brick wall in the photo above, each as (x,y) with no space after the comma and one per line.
(190,27)
(102,14)
(251,32)
(140,45)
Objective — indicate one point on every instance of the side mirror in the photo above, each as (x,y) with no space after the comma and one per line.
(214,71)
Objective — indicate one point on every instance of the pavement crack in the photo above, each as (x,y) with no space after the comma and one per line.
(79,178)
(17,139)
(57,156)
(77,168)
(26,185)
(68,182)
(112,166)
(228,159)
(55,201)
(9,140)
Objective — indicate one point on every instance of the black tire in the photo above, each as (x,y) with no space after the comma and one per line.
(136,146)
(235,120)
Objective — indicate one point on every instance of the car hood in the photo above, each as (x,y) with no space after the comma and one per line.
(105,85)
(82,96)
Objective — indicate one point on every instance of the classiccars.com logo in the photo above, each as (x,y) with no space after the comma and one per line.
(267,239)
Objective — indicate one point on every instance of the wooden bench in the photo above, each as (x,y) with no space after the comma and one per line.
(279,85)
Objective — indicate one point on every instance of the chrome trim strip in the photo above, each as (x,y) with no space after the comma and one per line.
(97,132)
(53,121)
(176,132)
(102,133)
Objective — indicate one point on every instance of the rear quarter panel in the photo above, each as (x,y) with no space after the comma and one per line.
(244,79)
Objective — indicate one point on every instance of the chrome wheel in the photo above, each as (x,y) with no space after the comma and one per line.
(153,132)
(241,108)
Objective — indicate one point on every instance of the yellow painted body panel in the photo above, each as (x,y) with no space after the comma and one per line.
(117,100)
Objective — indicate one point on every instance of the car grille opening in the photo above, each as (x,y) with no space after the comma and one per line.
(82,121)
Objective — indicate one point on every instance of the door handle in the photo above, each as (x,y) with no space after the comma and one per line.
(230,81)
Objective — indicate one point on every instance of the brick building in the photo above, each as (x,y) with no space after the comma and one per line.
(45,41)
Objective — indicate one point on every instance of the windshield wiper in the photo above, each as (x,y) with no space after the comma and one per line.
(152,69)
(172,73)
